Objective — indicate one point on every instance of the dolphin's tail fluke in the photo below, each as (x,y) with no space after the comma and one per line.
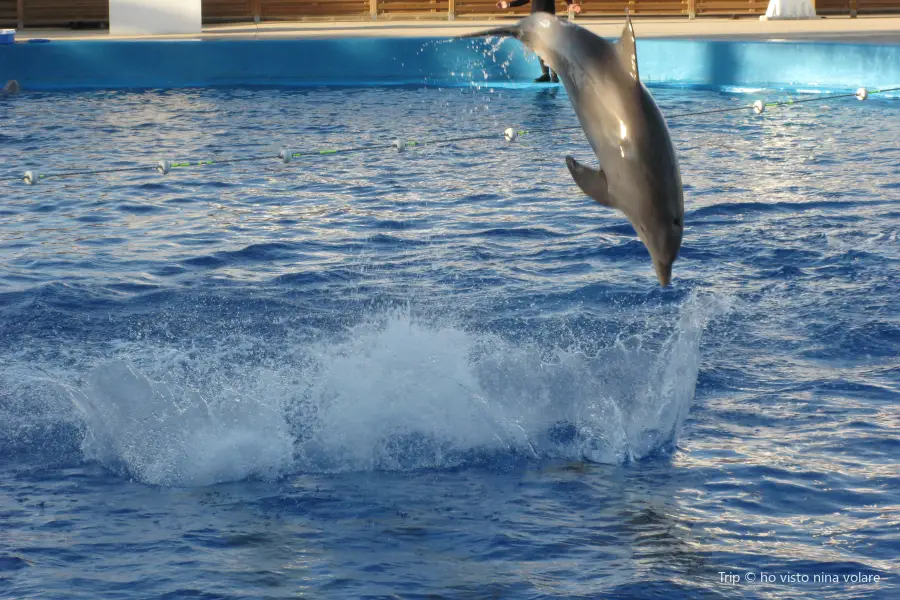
(509,31)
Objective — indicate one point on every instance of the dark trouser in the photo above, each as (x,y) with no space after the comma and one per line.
(544,68)
(549,8)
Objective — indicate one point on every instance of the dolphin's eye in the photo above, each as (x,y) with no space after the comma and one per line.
(676,222)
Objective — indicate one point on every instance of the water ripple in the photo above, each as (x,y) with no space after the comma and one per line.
(443,372)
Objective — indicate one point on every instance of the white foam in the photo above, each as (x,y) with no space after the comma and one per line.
(396,392)
(161,433)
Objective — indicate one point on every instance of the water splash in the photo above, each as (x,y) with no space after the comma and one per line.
(396,392)
(486,59)
(162,433)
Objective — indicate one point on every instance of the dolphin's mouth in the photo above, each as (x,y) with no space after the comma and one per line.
(496,32)
(663,272)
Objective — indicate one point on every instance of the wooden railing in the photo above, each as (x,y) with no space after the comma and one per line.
(37,13)
(273,10)
(229,10)
(8,13)
(740,8)
(590,8)
(414,9)
(855,7)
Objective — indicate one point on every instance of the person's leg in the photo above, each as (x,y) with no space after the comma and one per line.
(545,72)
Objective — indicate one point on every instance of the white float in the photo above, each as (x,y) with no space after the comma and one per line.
(155,17)
(789,9)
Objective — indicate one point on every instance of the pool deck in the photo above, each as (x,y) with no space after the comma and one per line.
(880,30)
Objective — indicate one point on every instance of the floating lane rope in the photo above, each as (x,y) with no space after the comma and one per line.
(164,167)
(759,106)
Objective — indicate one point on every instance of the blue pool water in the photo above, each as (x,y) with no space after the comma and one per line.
(443,373)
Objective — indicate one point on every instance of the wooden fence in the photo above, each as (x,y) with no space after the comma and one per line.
(74,13)
(41,13)
(8,14)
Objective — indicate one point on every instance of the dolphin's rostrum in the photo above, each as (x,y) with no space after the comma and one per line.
(639,170)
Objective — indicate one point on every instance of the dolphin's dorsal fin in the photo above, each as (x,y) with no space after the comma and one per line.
(593,183)
(627,49)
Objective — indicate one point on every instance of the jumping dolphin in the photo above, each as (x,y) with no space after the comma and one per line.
(11,87)
(639,171)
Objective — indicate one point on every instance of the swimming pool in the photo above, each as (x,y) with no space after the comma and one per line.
(443,371)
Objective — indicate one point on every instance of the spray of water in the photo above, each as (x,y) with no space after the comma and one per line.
(394,393)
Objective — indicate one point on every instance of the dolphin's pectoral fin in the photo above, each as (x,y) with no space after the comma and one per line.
(592,182)
(627,49)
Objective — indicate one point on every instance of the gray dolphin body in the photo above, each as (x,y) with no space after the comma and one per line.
(639,171)
(11,87)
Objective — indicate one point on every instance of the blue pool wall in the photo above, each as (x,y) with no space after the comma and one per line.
(143,64)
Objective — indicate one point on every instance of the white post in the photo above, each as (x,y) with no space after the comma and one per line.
(149,17)
(789,9)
